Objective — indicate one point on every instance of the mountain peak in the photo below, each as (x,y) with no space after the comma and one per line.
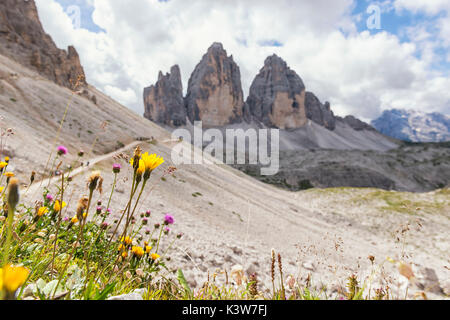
(216,46)
(414,126)
(277,95)
(23,39)
(214,92)
(164,101)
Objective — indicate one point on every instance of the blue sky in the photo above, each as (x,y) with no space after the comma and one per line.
(396,21)
(362,71)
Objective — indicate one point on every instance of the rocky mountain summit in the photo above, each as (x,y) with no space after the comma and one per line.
(318,112)
(23,39)
(277,97)
(214,92)
(164,101)
(414,126)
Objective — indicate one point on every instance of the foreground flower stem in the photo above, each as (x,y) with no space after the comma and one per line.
(79,240)
(86,257)
(51,171)
(58,224)
(110,196)
(134,209)
(7,244)
(129,216)
(159,239)
(59,129)
(132,192)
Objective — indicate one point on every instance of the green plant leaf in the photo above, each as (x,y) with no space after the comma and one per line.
(183,282)
(105,292)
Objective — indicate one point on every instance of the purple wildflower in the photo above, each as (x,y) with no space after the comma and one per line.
(49,197)
(62,150)
(166,230)
(116,167)
(169,219)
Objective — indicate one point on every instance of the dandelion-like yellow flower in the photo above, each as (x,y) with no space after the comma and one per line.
(138,251)
(152,161)
(84,215)
(42,211)
(3,164)
(6,159)
(127,240)
(57,206)
(1,189)
(74,220)
(124,254)
(9,174)
(148,249)
(155,256)
(11,278)
(141,168)
(121,247)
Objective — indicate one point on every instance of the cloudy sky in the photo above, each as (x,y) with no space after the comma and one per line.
(342,51)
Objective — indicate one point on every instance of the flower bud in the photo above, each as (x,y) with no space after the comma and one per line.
(13,193)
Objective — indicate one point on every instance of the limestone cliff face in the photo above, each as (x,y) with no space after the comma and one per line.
(214,92)
(277,96)
(318,112)
(164,101)
(23,39)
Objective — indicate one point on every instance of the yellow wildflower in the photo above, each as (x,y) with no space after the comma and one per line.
(120,248)
(11,278)
(57,206)
(3,164)
(9,174)
(127,240)
(1,189)
(84,215)
(152,162)
(155,256)
(137,251)
(124,254)
(141,168)
(6,159)
(147,249)
(74,220)
(42,211)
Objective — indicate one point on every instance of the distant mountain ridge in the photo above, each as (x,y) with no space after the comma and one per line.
(414,126)
(277,98)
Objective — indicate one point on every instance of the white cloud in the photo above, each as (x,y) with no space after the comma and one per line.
(430,7)
(359,73)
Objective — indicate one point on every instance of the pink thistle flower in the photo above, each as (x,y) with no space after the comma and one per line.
(116,167)
(62,151)
(169,219)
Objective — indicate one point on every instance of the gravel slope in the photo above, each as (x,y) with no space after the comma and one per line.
(227,217)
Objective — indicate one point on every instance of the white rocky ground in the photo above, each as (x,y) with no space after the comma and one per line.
(228,218)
